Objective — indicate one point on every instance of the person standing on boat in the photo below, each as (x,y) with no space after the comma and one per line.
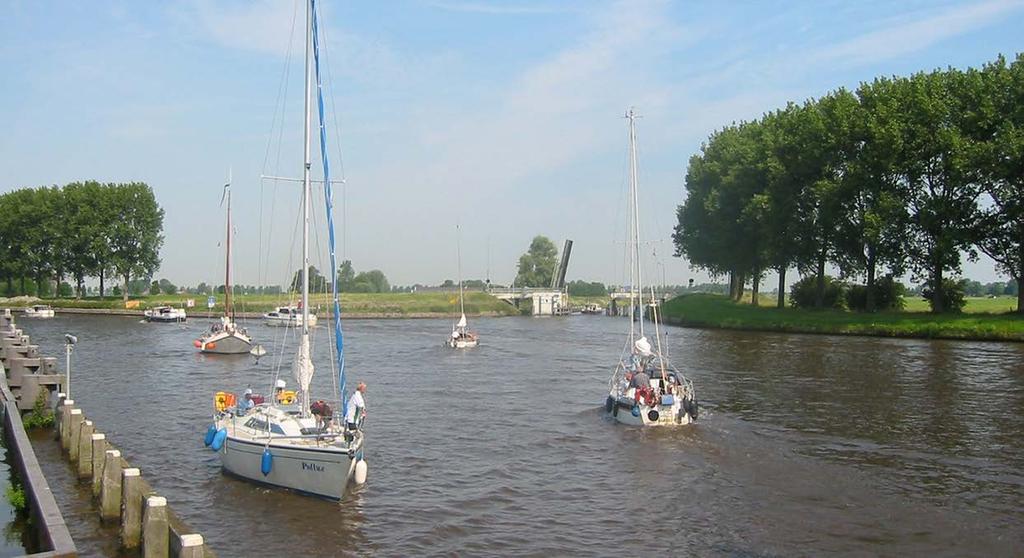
(356,407)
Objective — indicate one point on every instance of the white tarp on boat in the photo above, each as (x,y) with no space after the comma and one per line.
(643,347)
(303,367)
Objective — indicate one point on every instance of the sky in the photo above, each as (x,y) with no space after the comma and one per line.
(459,126)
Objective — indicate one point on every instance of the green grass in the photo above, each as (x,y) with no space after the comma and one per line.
(718,311)
(351,303)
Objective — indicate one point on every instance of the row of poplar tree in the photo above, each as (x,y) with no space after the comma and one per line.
(84,229)
(905,174)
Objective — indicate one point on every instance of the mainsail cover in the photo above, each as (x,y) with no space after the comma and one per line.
(302,369)
(462,321)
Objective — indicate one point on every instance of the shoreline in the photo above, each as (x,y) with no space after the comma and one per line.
(694,324)
(718,312)
(256,315)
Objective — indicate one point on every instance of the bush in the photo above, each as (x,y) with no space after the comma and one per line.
(888,295)
(802,293)
(65,289)
(952,295)
(39,416)
(16,497)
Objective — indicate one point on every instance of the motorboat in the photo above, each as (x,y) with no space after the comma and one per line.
(165,314)
(313,447)
(39,311)
(284,316)
(645,389)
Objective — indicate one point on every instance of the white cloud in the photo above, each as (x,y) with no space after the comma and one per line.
(907,37)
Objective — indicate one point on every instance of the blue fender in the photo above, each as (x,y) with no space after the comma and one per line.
(266,462)
(218,439)
(210,433)
(635,411)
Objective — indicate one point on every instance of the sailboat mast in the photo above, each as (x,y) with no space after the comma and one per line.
(458,253)
(306,191)
(633,183)
(227,266)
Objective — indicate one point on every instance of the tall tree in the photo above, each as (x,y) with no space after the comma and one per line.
(137,233)
(999,130)
(939,187)
(874,217)
(537,265)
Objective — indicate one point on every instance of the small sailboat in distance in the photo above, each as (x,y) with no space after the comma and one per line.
(225,337)
(461,337)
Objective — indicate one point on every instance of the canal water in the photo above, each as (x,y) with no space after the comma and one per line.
(806,444)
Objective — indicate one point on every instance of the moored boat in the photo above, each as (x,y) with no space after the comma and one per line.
(165,314)
(285,316)
(39,311)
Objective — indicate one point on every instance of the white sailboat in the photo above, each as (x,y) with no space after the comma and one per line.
(461,337)
(225,337)
(645,389)
(305,447)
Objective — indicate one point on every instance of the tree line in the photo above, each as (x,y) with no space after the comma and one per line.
(905,174)
(80,230)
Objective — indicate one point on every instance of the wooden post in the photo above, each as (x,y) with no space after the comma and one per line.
(65,418)
(191,546)
(110,491)
(131,508)
(85,450)
(155,530)
(75,431)
(99,449)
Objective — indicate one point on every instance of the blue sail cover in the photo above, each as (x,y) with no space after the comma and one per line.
(339,341)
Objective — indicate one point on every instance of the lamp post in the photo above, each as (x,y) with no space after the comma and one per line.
(69,346)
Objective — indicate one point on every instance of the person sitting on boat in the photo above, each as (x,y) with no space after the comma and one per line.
(356,407)
(247,402)
(641,379)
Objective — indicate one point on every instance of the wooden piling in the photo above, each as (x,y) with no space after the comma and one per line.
(85,450)
(99,449)
(191,546)
(110,491)
(65,420)
(131,507)
(74,432)
(155,533)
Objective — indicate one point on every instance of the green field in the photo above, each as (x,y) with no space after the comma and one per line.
(351,303)
(982,319)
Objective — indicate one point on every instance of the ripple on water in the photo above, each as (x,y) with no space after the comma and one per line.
(806,444)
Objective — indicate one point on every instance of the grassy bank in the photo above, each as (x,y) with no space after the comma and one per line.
(705,310)
(390,304)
